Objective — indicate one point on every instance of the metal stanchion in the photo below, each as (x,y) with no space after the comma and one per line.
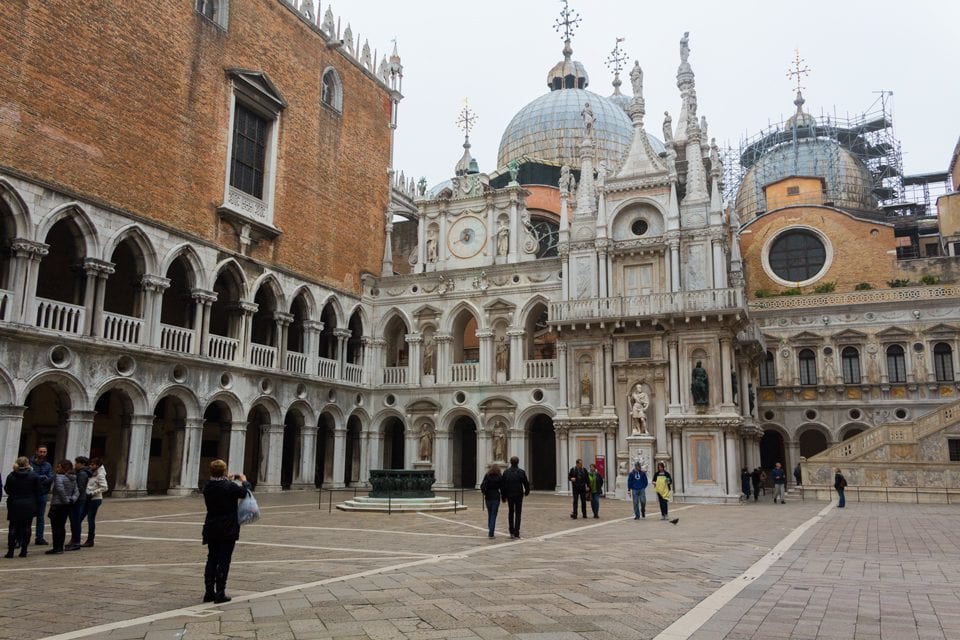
(330,502)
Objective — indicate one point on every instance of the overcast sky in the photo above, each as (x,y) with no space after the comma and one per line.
(497,53)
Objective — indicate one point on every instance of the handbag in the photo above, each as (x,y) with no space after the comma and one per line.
(248,510)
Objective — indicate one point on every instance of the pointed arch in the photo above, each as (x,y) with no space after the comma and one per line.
(232,267)
(332,303)
(192,259)
(136,235)
(270,281)
(358,311)
(76,214)
(531,304)
(8,391)
(451,317)
(18,209)
(394,313)
(304,293)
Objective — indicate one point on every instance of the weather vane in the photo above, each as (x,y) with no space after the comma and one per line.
(467,118)
(618,57)
(799,69)
(568,21)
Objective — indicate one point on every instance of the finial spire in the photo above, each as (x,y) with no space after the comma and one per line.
(567,24)
(615,61)
(798,69)
(465,122)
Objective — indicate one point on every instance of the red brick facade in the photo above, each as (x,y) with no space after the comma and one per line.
(128,104)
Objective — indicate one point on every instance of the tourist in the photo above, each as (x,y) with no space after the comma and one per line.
(64,496)
(23,489)
(95,488)
(490,488)
(515,487)
(578,487)
(779,476)
(595,487)
(745,484)
(755,478)
(44,471)
(840,484)
(637,485)
(662,483)
(798,475)
(221,527)
(81,467)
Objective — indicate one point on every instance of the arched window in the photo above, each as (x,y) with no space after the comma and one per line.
(807,361)
(896,364)
(213,10)
(943,362)
(331,91)
(768,371)
(850,361)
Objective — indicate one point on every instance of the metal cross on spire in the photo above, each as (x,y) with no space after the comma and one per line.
(617,58)
(568,21)
(467,118)
(798,69)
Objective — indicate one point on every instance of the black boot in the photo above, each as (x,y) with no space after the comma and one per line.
(221,585)
(9,552)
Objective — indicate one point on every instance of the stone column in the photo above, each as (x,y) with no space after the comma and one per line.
(373,361)
(562,373)
(311,334)
(608,400)
(513,255)
(365,442)
(375,455)
(202,300)
(422,245)
(517,445)
(283,321)
(563,447)
(79,434)
(237,451)
(662,451)
(11,423)
(674,266)
(387,269)
(414,358)
(484,452)
(189,438)
(610,459)
(719,265)
(517,354)
(97,273)
(410,441)
(342,335)
(726,385)
(792,451)
(486,355)
(743,378)
(23,279)
(603,261)
(441,458)
(674,407)
(676,459)
(153,288)
(271,457)
(245,329)
(442,344)
(304,476)
(339,456)
(137,441)
(733,472)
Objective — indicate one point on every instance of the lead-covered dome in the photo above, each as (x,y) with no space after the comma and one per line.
(550,129)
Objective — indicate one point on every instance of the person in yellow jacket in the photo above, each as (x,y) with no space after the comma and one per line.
(662,484)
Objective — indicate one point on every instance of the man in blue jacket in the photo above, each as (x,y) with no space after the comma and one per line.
(779,477)
(43,470)
(637,485)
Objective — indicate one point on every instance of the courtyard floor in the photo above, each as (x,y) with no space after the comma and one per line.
(799,570)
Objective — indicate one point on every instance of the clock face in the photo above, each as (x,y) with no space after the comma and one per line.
(467,237)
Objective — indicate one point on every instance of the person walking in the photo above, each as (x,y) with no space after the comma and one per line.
(745,485)
(490,488)
(662,483)
(637,485)
(515,486)
(798,475)
(221,527)
(755,479)
(44,471)
(840,484)
(578,487)
(61,503)
(23,489)
(95,488)
(779,476)
(81,468)
(595,487)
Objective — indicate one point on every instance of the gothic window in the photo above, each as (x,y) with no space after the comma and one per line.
(249,151)
(213,10)
(896,364)
(943,362)
(850,361)
(807,361)
(331,91)
(547,233)
(797,255)
(768,372)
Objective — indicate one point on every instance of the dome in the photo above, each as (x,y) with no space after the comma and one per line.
(550,128)
(847,181)
(620,100)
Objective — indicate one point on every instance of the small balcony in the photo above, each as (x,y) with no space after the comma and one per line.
(120,328)
(262,355)
(654,305)
(327,368)
(223,348)
(394,375)
(59,316)
(353,373)
(540,369)
(176,339)
(296,362)
(464,372)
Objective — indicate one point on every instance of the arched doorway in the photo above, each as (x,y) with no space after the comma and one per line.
(351,467)
(215,438)
(258,420)
(464,452)
(44,421)
(113,411)
(169,417)
(543,453)
(323,465)
(393,443)
(771,449)
(812,442)
(292,449)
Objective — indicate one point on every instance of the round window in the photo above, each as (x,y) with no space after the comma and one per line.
(797,255)
(639,227)
(855,414)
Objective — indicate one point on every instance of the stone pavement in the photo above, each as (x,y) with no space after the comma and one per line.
(869,571)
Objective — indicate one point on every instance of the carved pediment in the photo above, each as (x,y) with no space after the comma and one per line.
(499,307)
(258,86)
(427,312)
(942,330)
(806,338)
(497,404)
(423,405)
(894,333)
(850,335)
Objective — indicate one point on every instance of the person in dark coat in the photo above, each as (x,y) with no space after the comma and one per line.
(745,484)
(23,489)
(515,487)
(578,487)
(840,484)
(44,470)
(490,488)
(755,478)
(221,527)
(81,467)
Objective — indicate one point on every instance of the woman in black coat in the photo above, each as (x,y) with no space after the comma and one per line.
(23,489)
(221,527)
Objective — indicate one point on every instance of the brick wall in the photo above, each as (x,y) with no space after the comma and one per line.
(128,104)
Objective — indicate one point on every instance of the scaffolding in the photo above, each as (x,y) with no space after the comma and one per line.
(806,145)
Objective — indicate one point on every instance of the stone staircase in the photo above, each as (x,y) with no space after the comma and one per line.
(895,462)
(400,505)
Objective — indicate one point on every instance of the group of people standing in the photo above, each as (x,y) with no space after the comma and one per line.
(637,484)
(509,486)
(74,491)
